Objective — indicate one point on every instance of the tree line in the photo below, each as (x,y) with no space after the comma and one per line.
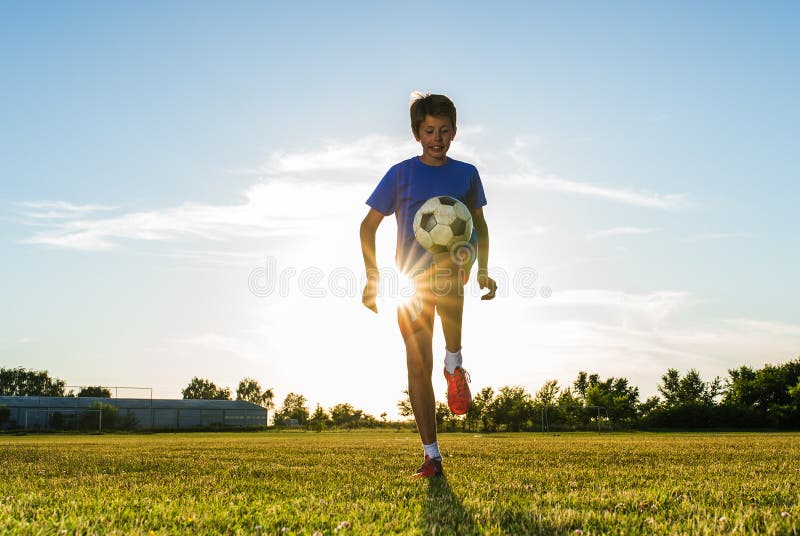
(747,398)
(20,381)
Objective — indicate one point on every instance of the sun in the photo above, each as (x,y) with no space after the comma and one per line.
(395,289)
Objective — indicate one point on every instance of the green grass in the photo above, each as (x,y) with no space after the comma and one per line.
(358,483)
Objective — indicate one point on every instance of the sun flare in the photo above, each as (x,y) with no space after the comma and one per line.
(395,290)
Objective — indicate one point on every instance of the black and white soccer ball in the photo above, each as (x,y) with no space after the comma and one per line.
(443,224)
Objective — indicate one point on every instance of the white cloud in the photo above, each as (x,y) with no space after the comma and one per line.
(63,205)
(524,174)
(43,210)
(222,258)
(24,340)
(554,183)
(366,157)
(275,208)
(656,306)
(301,191)
(363,160)
(620,231)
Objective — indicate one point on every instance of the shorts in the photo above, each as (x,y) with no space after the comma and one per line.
(417,313)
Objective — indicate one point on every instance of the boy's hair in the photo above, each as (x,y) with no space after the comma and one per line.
(434,105)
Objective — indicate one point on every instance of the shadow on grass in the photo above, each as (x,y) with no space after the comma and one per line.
(445,514)
(443,511)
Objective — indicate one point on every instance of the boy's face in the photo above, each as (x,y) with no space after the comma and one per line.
(435,135)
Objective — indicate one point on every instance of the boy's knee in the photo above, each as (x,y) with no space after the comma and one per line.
(418,365)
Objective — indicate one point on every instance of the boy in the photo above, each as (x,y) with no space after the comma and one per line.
(438,279)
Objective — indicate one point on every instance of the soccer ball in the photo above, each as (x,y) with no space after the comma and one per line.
(442,224)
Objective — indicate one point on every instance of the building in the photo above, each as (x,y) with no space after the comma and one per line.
(54,412)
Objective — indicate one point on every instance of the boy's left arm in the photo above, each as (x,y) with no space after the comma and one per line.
(484,281)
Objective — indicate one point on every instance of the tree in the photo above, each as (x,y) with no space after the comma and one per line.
(512,407)
(670,388)
(249,390)
(96,392)
(570,412)
(202,389)
(550,395)
(688,390)
(688,401)
(618,398)
(764,397)
(692,389)
(648,406)
(740,390)
(479,409)
(441,412)
(345,415)
(404,405)
(794,393)
(546,396)
(268,404)
(22,382)
(763,387)
(294,407)
(319,419)
(581,384)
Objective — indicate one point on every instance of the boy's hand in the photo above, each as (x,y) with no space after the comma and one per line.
(484,281)
(369,294)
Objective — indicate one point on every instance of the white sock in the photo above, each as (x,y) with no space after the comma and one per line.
(452,361)
(432,450)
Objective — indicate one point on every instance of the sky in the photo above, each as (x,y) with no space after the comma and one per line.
(181,186)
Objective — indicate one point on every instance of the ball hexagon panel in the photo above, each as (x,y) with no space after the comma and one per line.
(442,235)
(444,214)
(462,212)
(428,221)
(424,238)
(458,227)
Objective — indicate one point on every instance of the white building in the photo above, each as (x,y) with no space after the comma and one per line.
(48,412)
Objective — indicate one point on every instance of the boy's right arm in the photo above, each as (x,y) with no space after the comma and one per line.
(368,229)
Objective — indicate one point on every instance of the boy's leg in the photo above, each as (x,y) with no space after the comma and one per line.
(419,357)
(448,288)
(450,307)
(416,327)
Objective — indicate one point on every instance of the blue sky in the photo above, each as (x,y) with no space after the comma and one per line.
(155,156)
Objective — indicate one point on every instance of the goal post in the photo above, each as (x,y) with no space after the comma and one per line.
(595,412)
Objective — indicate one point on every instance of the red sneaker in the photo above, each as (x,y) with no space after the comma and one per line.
(430,468)
(458,395)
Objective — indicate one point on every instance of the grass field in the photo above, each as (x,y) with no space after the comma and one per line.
(358,483)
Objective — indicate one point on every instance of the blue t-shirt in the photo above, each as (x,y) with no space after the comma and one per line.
(407,185)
